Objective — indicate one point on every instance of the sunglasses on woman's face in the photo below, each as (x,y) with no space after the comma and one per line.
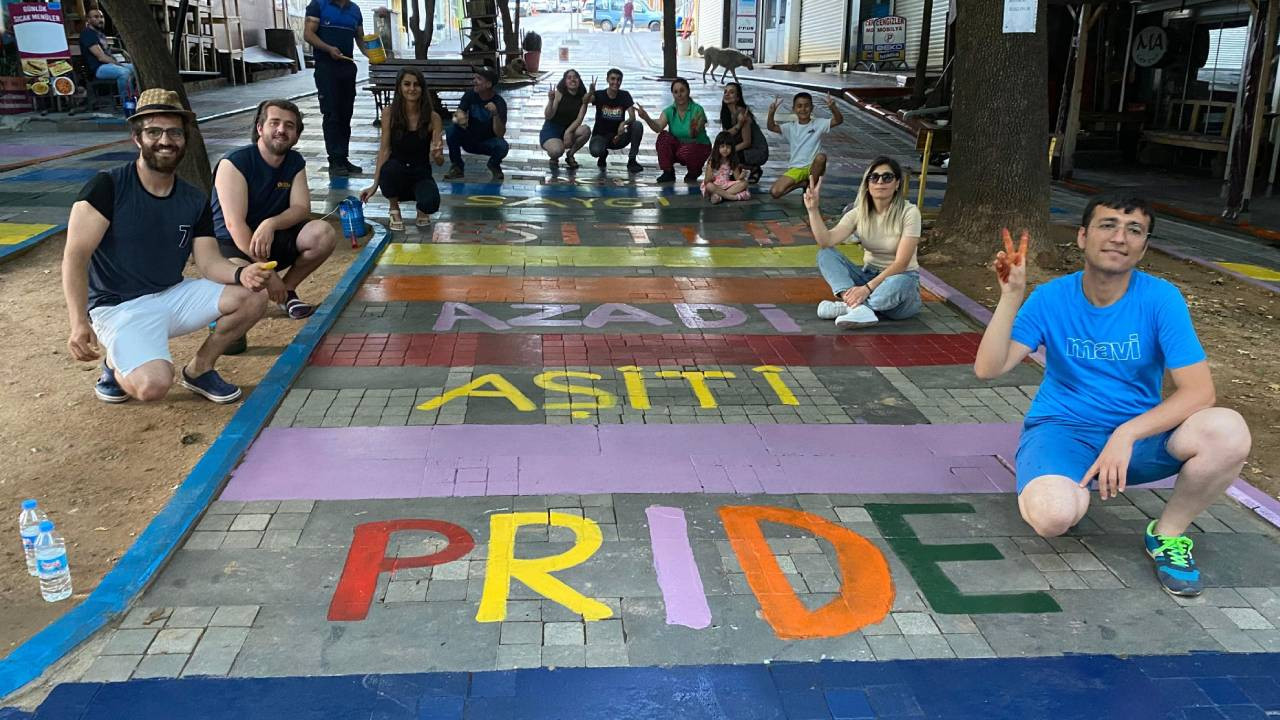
(884,177)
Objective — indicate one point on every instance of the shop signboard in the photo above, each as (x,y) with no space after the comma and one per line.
(884,39)
(42,47)
(744,27)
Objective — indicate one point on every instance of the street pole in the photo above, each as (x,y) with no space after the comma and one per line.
(922,55)
(669,39)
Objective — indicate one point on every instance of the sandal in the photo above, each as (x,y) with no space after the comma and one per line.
(423,221)
(571,162)
(397,222)
(296,308)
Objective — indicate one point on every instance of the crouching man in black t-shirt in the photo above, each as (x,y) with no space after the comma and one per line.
(261,207)
(130,235)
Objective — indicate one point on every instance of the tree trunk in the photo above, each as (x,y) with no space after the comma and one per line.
(422,32)
(669,39)
(156,69)
(999,171)
(509,39)
(922,56)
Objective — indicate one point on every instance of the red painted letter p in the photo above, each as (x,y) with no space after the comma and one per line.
(367,558)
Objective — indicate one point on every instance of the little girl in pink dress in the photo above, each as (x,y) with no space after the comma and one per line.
(725,179)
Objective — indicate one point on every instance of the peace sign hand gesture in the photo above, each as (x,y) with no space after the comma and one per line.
(831,102)
(773,106)
(1010,265)
(592,86)
(813,193)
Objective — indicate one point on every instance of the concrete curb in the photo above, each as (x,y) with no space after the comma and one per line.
(1266,507)
(8,252)
(170,526)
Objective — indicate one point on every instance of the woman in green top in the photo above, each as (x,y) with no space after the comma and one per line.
(682,134)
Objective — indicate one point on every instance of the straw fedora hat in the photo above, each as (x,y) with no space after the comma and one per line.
(158,101)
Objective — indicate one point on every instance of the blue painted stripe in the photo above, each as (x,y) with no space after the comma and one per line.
(7,251)
(1081,686)
(162,536)
(64,174)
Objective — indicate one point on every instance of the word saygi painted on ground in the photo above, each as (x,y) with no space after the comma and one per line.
(866,586)
(496,385)
(583,203)
(695,316)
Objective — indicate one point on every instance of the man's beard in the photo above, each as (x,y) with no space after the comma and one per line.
(159,163)
(278,146)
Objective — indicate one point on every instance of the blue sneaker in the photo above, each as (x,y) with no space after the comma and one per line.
(107,389)
(211,386)
(1175,568)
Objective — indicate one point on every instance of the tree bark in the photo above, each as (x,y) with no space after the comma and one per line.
(999,170)
(156,69)
(669,39)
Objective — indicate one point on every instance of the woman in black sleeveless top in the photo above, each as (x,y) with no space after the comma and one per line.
(749,141)
(412,138)
(563,133)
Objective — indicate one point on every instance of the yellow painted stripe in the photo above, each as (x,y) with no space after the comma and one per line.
(1257,272)
(14,233)
(546,255)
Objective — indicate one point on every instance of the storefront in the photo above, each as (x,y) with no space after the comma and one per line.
(913,11)
(822,31)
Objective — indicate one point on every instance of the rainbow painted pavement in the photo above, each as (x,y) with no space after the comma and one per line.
(584,450)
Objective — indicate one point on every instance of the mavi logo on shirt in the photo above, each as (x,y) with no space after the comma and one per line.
(1086,349)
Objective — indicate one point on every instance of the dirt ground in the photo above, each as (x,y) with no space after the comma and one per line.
(1236,322)
(100,471)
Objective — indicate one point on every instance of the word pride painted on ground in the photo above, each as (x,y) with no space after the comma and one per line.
(864,597)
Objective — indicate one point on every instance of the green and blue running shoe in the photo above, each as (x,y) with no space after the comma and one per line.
(1175,568)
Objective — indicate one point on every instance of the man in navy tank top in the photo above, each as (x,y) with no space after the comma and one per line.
(129,237)
(1110,332)
(262,207)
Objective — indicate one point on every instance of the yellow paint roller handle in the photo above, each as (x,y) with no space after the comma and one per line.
(268,265)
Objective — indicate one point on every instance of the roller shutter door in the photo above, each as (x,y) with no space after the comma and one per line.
(711,23)
(821,30)
(913,10)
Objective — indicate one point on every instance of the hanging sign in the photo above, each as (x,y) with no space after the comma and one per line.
(884,39)
(1020,16)
(1150,46)
(42,47)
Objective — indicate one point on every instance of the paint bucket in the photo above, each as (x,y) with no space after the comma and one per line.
(351,212)
(373,49)
(564,54)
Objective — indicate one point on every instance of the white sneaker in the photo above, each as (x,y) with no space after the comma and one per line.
(831,309)
(857,317)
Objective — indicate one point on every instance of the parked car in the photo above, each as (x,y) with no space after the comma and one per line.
(607,15)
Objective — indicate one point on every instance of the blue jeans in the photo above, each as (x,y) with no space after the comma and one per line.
(897,297)
(461,139)
(123,75)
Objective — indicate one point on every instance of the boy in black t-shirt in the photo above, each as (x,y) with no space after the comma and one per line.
(616,125)
(129,237)
(261,207)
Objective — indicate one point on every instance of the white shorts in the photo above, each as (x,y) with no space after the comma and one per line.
(137,331)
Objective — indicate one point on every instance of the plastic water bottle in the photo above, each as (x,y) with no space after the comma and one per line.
(51,561)
(29,528)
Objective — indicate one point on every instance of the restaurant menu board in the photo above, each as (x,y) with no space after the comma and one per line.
(42,47)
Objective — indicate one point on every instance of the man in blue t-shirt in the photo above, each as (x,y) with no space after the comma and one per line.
(131,232)
(99,61)
(334,28)
(262,207)
(479,126)
(1109,333)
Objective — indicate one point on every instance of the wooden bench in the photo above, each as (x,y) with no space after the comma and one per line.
(449,75)
(1191,124)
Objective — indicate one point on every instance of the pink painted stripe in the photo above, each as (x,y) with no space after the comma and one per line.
(677,571)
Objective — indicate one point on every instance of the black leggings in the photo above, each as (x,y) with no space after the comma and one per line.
(403,182)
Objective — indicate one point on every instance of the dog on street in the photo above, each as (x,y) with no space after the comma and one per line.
(727,58)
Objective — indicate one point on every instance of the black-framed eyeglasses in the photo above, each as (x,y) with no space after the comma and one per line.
(173,133)
(884,177)
(1133,231)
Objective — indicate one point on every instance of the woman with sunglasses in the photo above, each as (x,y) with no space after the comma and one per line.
(412,139)
(563,132)
(888,228)
(751,147)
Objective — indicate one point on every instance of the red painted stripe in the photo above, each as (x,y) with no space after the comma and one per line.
(529,350)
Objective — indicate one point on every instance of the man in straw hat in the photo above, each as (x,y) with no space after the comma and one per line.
(131,232)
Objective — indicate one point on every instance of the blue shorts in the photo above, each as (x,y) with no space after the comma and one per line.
(1056,448)
(550,131)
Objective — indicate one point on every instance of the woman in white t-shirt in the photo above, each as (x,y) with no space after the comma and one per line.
(888,228)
